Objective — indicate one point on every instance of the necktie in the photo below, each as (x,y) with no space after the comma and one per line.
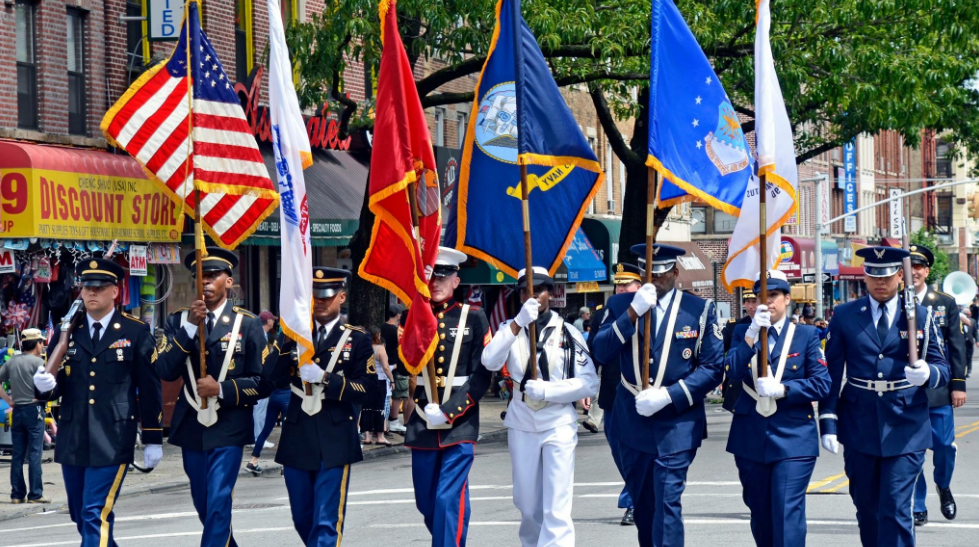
(320,335)
(210,322)
(96,327)
(882,325)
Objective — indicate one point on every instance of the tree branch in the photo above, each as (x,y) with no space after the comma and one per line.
(349,105)
(813,152)
(612,132)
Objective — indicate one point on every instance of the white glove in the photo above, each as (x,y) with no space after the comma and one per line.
(44,381)
(918,374)
(152,454)
(769,387)
(434,414)
(428,273)
(651,401)
(535,389)
(762,318)
(311,373)
(528,313)
(644,299)
(830,444)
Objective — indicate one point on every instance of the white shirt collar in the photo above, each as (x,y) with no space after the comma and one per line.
(665,299)
(780,325)
(921,295)
(329,326)
(105,321)
(891,306)
(219,311)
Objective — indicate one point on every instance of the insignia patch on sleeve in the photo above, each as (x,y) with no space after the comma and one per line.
(371,367)
(487,338)
(718,332)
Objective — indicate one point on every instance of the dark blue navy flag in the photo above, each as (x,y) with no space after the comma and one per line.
(695,139)
(520,118)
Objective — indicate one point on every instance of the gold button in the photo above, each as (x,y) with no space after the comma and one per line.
(351,418)
(793,367)
(93,359)
(439,371)
(809,416)
(416,400)
(441,348)
(91,388)
(727,367)
(91,401)
(92,373)
(207,353)
(441,315)
(460,408)
(442,336)
(441,359)
(451,415)
(317,360)
(441,325)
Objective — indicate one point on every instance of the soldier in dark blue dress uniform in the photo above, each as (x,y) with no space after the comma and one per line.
(773,434)
(212,439)
(941,400)
(881,415)
(660,429)
(443,435)
(319,438)
(110,359)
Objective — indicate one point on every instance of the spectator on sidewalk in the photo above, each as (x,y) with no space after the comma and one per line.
(27,430)
(276,404)
(268,325)
(399,390)
(260,410)
(583,320)
(373,417)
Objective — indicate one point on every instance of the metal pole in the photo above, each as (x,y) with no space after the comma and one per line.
(763,271)
(820,188)
(901,196)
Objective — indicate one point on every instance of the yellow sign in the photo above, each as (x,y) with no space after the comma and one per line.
(545,182)
(80,206)
(587,286)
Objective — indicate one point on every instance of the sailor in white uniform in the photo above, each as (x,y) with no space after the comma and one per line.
(542,421)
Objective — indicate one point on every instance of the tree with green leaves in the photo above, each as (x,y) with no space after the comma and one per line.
(845,67)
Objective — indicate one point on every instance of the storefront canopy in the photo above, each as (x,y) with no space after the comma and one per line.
(89,195)
(604,235)
(696,269)
(799,257)
(850,273)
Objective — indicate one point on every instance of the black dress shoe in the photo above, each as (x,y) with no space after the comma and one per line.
(589,426)
(947,502)
(920,518)
(627,518)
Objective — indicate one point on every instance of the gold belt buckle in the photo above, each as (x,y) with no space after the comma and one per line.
(440,381)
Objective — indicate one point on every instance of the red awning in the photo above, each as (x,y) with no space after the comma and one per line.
(850,273)
(19,155)
(891,242)
(696,270)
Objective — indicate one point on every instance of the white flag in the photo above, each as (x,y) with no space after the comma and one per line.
(776,159)
(292,155)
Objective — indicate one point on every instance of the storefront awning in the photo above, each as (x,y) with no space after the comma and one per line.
(799,257)
(696,269)
(850,273)
(604,236)
(583,262)
(89,195)
(335,186)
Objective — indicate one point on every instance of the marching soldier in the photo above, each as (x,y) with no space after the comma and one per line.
(627,279)
(443,436)
(773,434)
(319,437)
(945,312)
(732,389)
(541,420)
(660,429)
(211,439)
(110,358)
(881,416)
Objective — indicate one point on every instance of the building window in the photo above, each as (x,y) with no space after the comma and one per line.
(461,125)
(698,220)
(439,127)
(76,72)
(723,222)
(243,39)
(134,39)
(26,67)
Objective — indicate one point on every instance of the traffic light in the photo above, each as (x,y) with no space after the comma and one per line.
(974,206)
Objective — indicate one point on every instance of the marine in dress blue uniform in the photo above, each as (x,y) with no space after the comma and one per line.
(775,445)
(441,458)
(657,447)
(319,439)
(941,400)
(102,372)
(881,415)
(212,439)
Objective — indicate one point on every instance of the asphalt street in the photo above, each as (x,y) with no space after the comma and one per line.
(381,508)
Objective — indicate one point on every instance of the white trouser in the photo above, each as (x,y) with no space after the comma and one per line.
(543,484)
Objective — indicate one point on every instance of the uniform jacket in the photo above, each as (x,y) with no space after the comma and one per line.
(561,390)
(694,367)
(732,389)
(886,424)
(98,385)
(329,437)
(609,372)
(462,407)
(790,432)
(950,326)
(239,389)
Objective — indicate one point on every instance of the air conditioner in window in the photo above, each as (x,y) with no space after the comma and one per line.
(945,239)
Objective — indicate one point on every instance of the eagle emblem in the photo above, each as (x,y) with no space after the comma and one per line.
(880,253)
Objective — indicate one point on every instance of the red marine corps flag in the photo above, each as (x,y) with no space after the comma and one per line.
(183,122)
(404,197)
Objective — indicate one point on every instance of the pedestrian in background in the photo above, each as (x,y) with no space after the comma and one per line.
(27,429)
(583,320)
(260,410)
(399,390)
(373,417)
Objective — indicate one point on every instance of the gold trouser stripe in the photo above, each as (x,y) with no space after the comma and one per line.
(343,503)
(110,500)
(231,528)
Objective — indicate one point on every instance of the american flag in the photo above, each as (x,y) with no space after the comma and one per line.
(218,156)
(499,309)
(50,330)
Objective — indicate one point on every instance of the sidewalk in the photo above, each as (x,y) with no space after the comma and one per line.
(169,475)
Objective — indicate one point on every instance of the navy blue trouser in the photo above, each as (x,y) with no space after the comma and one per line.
(441,481)
(92,492)
(27,434)
(318,500)
(656,484)
(882,491)
(625,499)
(278,403)
(212,475)
(775,493)
(944,449)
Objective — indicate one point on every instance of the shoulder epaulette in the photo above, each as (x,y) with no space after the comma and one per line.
(355,327)
(127,316)
(243,311)
(732,320)
(944,294)
(180,310)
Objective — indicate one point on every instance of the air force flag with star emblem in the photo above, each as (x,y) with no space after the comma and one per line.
(695,140)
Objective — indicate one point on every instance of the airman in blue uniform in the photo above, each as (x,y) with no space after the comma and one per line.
(211,439)
(660,429)
(773,434)
(106,380)
(881,415)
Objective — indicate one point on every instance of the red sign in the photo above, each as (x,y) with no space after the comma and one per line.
(323,129)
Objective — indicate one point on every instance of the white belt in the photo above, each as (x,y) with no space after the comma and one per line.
(457,381)
(880,386)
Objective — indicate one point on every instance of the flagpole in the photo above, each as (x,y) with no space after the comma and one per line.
(763,271)
(413,205)
(529,272)
(652,203)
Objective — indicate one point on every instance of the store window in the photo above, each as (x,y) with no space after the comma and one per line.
(134,39)
(723,222)
(439,127)
(243,39)
(698,220)
(26,66)
(461,124)
(76,72)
